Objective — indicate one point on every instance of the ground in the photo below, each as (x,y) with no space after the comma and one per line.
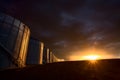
(70,70)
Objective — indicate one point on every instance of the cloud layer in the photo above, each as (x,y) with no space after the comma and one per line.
(66,25)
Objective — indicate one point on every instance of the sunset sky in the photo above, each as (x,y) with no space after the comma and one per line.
(70,26)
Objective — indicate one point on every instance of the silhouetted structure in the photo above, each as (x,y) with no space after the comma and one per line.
(14,40)
(14,37)
(46,55)
(39,54)
(35,52)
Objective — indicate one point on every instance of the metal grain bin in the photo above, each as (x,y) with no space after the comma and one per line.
(35,52)
(14,37)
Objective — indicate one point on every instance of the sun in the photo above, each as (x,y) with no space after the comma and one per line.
(89,54)
(91,57)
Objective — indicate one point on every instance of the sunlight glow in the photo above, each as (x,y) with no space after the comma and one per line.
(90,54)
(91,57)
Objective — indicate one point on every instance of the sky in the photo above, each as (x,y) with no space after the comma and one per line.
(68,27)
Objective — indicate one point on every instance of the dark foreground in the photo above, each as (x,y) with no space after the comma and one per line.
(73,70)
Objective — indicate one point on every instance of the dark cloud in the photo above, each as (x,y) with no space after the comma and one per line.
(67,25)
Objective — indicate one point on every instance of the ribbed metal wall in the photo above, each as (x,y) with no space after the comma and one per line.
(46,55)
(39,54)
(14,38)
(35,52)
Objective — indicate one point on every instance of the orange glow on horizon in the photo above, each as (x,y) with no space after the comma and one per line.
(91,57)
(90,54)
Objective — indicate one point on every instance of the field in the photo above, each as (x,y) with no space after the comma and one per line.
(108,69)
